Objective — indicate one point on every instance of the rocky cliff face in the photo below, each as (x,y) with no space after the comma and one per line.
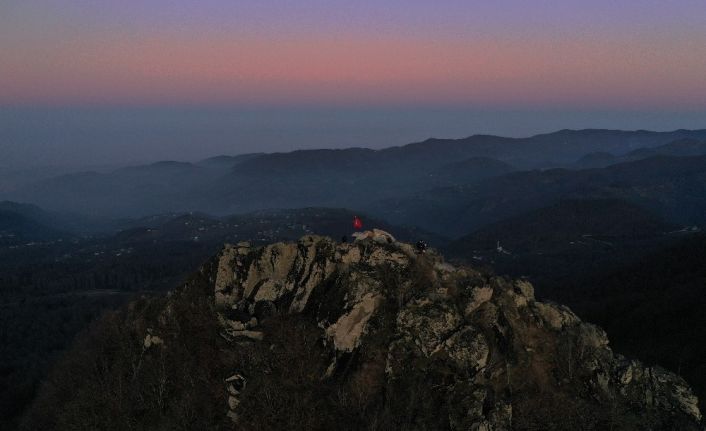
(373,335)
(480,345)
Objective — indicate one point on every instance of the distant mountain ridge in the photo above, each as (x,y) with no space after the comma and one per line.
(563,146)
(559,147)
(678,148)
(21,223)
(672,187)
(350,178)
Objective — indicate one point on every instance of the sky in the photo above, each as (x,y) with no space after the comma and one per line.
(97,81)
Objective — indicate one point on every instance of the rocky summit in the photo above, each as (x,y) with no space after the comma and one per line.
(370,334)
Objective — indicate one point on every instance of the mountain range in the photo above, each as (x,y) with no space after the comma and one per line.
(679,148)
(350,178)
(671,187)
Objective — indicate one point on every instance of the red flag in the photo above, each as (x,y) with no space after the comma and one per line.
(357,223)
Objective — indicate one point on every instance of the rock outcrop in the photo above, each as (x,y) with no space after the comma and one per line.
(483,352)
(368,335)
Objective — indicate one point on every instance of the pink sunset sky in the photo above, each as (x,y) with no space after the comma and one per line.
(598,54)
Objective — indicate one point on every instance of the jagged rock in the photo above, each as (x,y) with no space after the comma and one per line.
(478,297)
(236,383)
(555,316)
(233,403)
(152,340)
(486,331)
(373,335)
(428,324)
(252,335)
(469,348)
(234,386)
(376,235)
(347,331)
(272,274)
